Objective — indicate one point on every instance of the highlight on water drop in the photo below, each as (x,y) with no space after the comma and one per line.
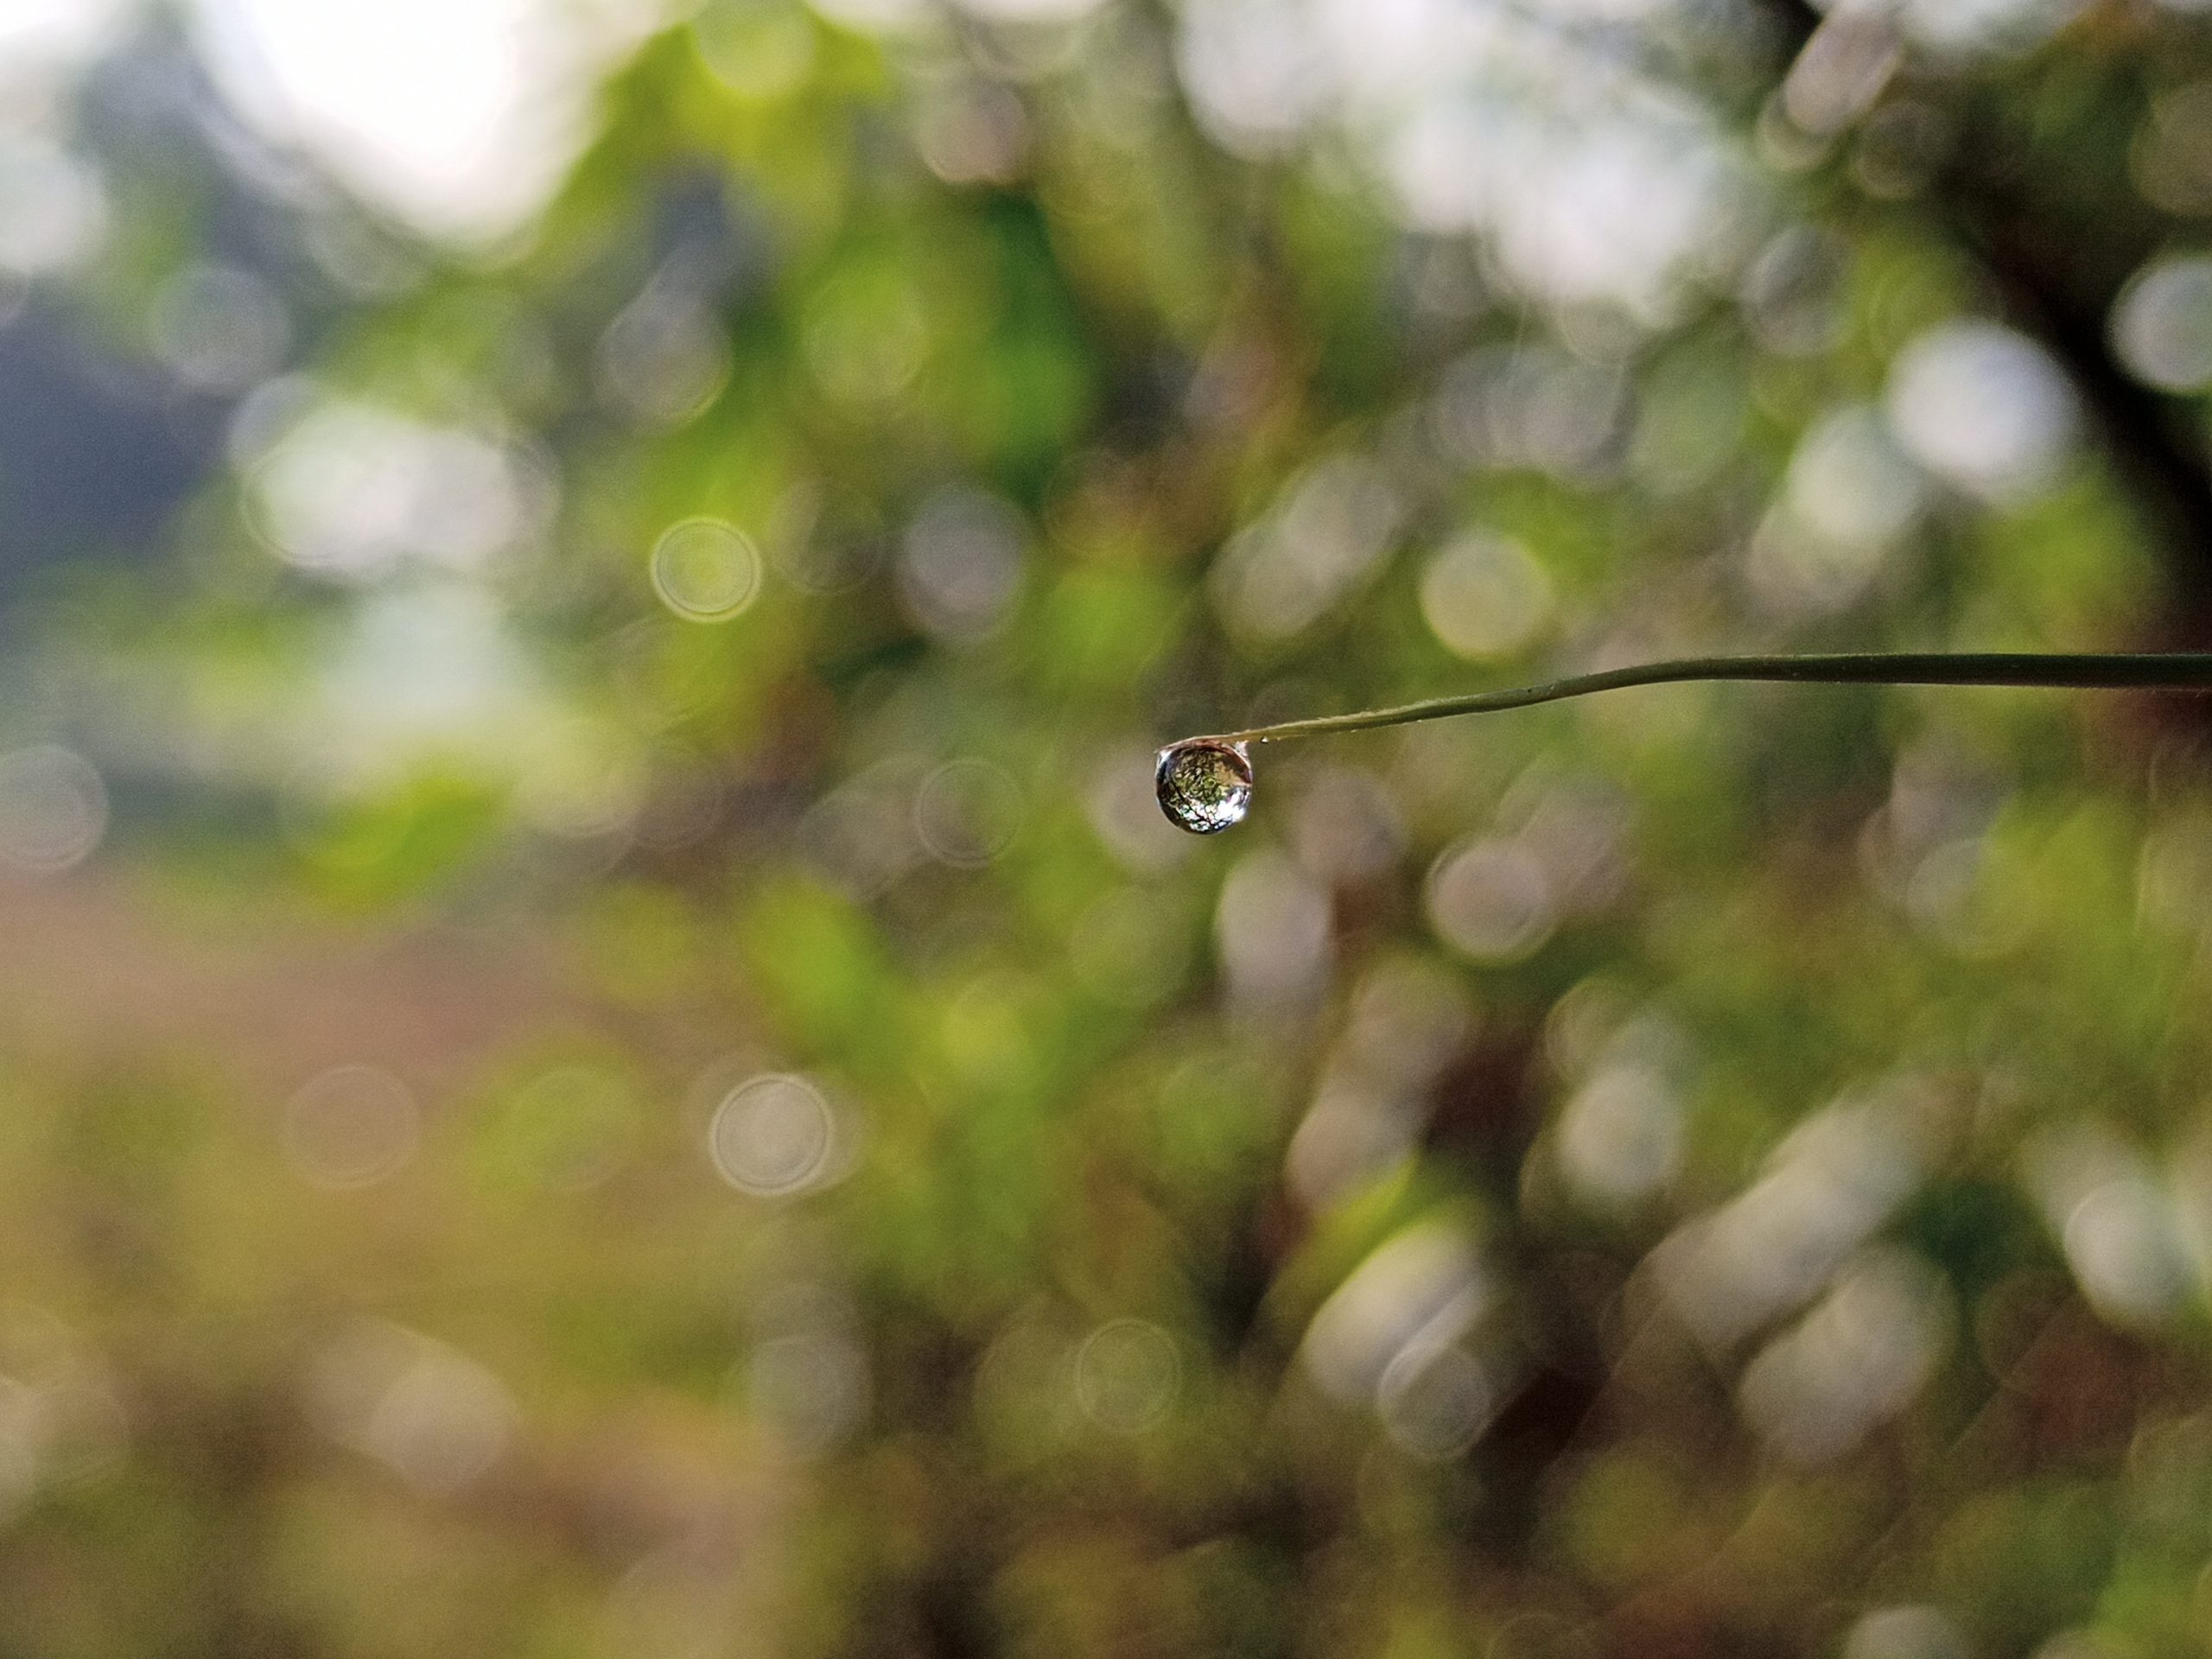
(1204,784)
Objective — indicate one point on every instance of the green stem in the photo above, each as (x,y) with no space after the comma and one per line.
(2185,671)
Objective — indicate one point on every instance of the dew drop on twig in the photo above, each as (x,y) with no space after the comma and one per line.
(1204,784)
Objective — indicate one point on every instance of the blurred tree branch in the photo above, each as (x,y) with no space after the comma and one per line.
(2057,280)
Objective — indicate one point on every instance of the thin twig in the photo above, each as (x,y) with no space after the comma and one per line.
(2174,670)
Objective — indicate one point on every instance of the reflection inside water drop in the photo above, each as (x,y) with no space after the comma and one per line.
(1204,784)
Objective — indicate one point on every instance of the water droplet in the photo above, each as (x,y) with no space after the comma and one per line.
(1204,784)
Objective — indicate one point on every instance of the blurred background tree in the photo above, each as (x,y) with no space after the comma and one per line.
(605,1052)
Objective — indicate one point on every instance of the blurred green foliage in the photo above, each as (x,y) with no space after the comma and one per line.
(553,1126)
